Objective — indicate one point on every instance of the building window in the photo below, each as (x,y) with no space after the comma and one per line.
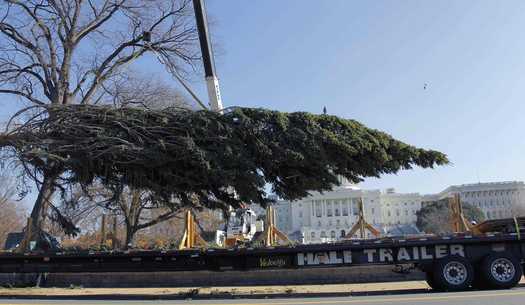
(312,235)
(406,212)
(338,222)
(318,209)
(332,234)
(329,209)
(397,212)
(389,214)
(345,209)
(343,233)
(323,234)
(355,209)
(300,214)
(337,211)
(373,210)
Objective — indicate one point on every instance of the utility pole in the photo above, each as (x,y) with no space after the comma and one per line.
(212,82)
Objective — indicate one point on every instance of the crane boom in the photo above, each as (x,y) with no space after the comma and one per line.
(212,82)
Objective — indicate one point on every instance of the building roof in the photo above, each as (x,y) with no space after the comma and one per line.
(481,186)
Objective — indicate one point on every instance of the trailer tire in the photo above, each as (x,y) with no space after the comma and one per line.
(501,270)
(453,273)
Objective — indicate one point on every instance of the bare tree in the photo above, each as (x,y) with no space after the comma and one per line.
(12,213)
(135,209)
(146,91)
(63,52)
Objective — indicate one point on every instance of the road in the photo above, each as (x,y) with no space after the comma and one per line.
(502,297)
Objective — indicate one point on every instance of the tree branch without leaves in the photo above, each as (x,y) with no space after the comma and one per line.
(68,52)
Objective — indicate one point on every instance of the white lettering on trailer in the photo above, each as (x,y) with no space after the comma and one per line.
(323,258)
(370,253)
(424,254)
(381,255)
(311,259)
(334,259)
(385,255)
(457,250)
(402,254)
(415,253)
(441,251)
(300,259)
(347,257)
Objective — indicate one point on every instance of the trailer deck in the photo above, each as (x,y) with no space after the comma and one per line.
(471,256)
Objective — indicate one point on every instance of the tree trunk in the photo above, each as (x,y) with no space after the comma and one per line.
(46,191)
(130,234)
(37,214)
(131,215)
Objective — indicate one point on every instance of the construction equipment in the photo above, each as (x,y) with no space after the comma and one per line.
(272,235)
(361,225)
(507,225)
(191,238)
(460,224)
(241,227)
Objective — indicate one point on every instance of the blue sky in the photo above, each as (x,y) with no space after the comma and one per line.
(369,61)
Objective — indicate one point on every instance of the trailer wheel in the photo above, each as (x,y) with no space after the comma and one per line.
(501,270)
(453,273)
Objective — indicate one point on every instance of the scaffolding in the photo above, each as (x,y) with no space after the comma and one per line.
(191,238)
(458,221)
(362,225)
(272,235)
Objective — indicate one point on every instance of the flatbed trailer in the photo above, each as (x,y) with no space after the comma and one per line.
(453,262)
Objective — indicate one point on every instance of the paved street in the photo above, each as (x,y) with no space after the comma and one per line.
(503,297)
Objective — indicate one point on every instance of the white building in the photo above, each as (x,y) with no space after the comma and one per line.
(399,209)
(330,216)
(495,199)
